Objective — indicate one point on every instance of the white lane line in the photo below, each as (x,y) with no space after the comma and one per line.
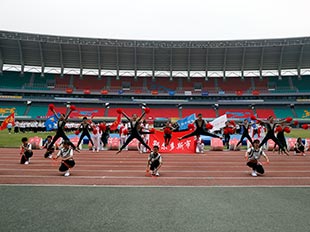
(159,178)
(153,186)
(142,170)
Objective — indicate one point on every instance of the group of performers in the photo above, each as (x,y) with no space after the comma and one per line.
(137,128)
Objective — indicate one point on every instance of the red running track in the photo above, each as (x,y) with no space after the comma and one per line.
(128,168)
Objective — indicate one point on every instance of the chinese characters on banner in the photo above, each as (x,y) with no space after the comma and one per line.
(175,146)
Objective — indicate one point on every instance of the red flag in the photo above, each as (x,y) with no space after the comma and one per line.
(116,122)
(9,119)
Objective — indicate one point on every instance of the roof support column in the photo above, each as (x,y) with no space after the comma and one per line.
(22,69)
(243,61)
(42,59)
(261,63)
(224,64)
(117,63)
(301,53)
(171,76)
(1,62)
(135,62)
(207,64)
(99,61)
(189,62)
(280,63)
(153,65)
(62,68)
(81,61)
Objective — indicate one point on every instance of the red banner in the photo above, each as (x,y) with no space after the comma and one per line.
(9,119)
(175,145)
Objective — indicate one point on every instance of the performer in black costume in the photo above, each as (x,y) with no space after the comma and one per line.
(85,127)
(105,134)
(134,130)
(270,125)
(280,129)
(168,129)
(245,134)
(200,129)
(62,120)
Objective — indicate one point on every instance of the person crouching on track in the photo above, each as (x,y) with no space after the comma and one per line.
(66,154)
(253,155)
(25,151)
(49,152)
(299,147)
(154,162)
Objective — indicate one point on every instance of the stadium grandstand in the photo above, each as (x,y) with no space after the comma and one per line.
(239,78)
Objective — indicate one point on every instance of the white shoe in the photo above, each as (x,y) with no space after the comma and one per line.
(157,174)
(254,173)
(67,173)
(50,156)
(27,162)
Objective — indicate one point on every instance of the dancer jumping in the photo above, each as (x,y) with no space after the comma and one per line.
(134,132)
(201,129)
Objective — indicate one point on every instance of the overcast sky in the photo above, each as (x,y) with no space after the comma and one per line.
(159,19)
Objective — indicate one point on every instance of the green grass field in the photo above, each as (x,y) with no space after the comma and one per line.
(14,140)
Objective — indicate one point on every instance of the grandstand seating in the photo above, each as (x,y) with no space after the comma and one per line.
(155,112)
(302,112)
(89,82)
(261,84)
(126,83)
(39,82)
(206,112)
(37,111)
(62,82)
(14,80)
(282,85)
(19,109)
(303,84)
(162,84)
(233,84)
(195,82)
(236,112)
(80,112)
(112,112)
(283,112)
(265,112)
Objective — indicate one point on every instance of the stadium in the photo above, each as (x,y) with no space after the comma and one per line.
(166,81)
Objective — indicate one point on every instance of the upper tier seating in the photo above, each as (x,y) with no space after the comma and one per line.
(233,84)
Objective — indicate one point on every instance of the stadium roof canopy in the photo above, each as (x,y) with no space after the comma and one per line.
(153,58)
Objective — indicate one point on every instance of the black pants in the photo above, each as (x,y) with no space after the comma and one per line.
(270,135)
(25,157)
(105,138)
(245,135)
(200,132)
(256,167)
(154,165)
(60,134)
(167,138)
(226,140)
(66,164)
(134,136)
(85,133)
(300,149)
(49,152)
